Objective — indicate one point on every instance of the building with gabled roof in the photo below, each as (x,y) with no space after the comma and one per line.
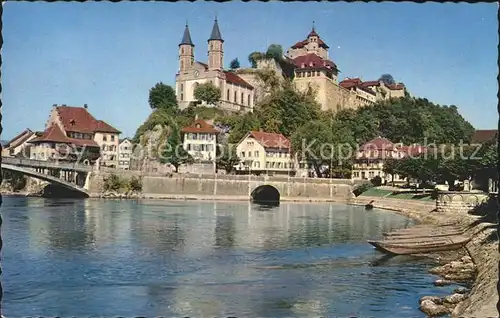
(371,156)
(19,145)
(236,93)
(264,152)
(200,140)
(70,131)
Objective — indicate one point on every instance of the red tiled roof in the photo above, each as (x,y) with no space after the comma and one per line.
(303,43)
(19,139)
(78,119)
(200,126)
(413,150)
(484,135)
(311,60)
(102,126)
(55,134)
(371,83)
(378,143)
(396,86)
(270,140)
(235,79)
(357,83)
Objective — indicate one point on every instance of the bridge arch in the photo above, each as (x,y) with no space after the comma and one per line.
(266,195)
(51,179)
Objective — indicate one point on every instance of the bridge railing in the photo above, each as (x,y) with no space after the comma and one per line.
(45,164)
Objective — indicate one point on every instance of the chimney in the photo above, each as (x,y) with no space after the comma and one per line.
(85,106)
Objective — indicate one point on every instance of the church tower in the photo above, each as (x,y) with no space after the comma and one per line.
(215,50)
(186,51)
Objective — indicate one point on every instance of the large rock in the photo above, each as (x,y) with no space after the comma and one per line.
(432,309)
(454,299)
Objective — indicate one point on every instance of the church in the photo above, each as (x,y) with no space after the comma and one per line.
(236,93)
(310,65)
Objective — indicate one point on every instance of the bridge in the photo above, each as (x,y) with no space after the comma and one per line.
(71,176)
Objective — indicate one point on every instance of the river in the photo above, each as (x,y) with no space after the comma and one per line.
(203,259)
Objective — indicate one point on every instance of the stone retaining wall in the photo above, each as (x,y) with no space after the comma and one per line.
(238,188)
(459,202)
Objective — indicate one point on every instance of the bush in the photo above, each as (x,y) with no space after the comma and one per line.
(135,184)
(113,183)
(376,181)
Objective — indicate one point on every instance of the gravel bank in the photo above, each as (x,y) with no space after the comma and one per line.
(483,249)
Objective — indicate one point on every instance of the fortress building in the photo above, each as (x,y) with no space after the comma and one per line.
(307,62)
(237,94)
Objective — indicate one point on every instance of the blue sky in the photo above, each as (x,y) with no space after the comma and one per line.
(108,55)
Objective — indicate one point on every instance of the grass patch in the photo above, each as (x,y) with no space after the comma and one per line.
(375,192)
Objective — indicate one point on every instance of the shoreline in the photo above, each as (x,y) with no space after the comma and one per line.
(483,296)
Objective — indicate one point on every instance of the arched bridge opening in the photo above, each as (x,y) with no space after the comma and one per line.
(265,195)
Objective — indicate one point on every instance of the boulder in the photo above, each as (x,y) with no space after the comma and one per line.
(460,290)
(442,282)
(455,298)
(435,299)
(432,309)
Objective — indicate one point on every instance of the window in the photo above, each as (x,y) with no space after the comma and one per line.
(242,99)
(182,96)
(112,137)
(235,97)
(228,95)
(308,74)
(249,153)
(256,154)
(104,138)
(249,100)
(243,154)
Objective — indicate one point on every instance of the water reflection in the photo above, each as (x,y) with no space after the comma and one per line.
(93,257)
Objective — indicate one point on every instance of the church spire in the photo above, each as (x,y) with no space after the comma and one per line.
(186,38)
(215,35)
(313,31)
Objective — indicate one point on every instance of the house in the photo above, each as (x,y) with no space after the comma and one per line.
(73,134)
(124,153)
(200,141)
(19,145)
(484,135)
(370,158)
(263,152)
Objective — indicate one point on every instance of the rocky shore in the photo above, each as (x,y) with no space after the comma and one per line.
(476,271)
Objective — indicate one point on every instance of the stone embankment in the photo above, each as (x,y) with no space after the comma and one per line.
(210,187)
(480,265)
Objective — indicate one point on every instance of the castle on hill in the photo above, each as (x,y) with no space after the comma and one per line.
(311,69)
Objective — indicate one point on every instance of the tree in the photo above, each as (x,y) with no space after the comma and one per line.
(275,51)
(173,152)
(162,96)
(235,64)
(208,93)
(241,126)
(254,57)
(323,143)
(408,120)
(391,167)
(387,79)
(286,109)
(227,157)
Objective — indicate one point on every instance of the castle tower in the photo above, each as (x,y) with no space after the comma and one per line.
(313,36)
(186,51)
(215,49)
